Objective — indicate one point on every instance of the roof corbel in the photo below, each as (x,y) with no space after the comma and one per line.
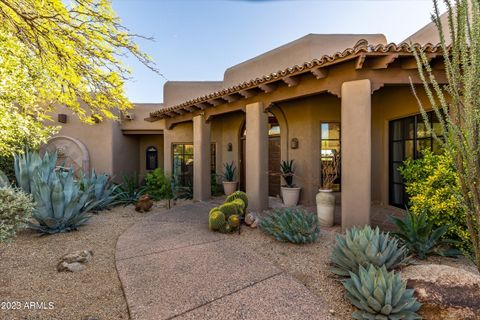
(248,93)
(319,72)
(359,61)
(231,98)
(290,81)
(202,105)
(381,62)
(267,87)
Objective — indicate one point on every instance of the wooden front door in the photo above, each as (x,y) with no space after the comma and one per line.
(274,180)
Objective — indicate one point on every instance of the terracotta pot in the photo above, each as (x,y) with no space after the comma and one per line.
(325,207)
(229,187)
(290,196)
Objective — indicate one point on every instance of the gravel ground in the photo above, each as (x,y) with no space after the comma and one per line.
(309,264)
(28,271)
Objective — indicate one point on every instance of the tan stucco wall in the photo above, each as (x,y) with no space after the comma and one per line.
(429,33)
(140,112)
(176,92)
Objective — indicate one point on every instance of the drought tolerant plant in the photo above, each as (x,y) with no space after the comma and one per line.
(380,294)
(288,170)
(219,221)
(229,170)
(102,190)
(361,247)
(129,191)
(456,105)
(238,195)
(16,208)
(4,181)
(158,185)
(61,205)
(432,185)
(420,237)
(30,164)
(292,225)
(216,188)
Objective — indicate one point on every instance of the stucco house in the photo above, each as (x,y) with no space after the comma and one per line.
(316,95)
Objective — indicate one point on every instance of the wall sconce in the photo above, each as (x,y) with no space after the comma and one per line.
(62,118)
(229,146)
(294,143)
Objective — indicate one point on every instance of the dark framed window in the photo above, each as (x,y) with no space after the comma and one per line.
(213,158)
(183,162)
(408,137)
(151,158)
(329,148)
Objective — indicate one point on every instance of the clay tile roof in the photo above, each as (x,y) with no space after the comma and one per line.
(361,47)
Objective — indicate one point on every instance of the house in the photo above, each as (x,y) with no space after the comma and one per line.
(313,97)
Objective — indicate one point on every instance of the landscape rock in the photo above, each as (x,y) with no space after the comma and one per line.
(75,261)
(445,292)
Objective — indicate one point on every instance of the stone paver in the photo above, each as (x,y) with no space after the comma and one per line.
(172,266)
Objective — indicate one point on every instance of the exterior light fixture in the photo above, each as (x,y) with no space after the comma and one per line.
(62,118)
(294,143)
(229,146)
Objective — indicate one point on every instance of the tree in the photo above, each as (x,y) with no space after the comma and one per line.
(457,104)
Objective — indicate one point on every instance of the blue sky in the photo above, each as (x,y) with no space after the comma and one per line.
(198,40)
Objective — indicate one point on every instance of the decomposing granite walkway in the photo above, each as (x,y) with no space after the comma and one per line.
(172,267)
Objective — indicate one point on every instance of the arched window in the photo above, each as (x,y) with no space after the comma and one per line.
(152,158)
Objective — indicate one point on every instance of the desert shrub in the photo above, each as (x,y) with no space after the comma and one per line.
(292,225)
(432,185)
(16,208)
(420,236)
(102,190)
(158,185)
(129,190)
(361,247)
(7,167)
(216,188)
(379,294)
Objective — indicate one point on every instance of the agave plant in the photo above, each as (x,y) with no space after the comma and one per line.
(103,192)
(29,164)
(60,203)
(229,172)
(292,225)
(418,234)
(380,294)
(129,191)
(288,170)
(361,247)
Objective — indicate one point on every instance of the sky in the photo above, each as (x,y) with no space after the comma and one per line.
(196,40)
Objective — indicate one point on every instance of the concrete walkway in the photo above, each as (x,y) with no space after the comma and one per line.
(172,267)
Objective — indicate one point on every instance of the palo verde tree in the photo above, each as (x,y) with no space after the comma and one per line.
(60,52)
(457,104)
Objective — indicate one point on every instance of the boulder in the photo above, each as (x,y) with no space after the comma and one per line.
(74,261)
(445,292)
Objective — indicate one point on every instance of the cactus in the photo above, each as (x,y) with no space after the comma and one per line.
(361,247)
(380,294)
(293,225)
(240,206)
(234,221)
(102,190)
(229,209)
(238,195)
(216,219)
(29,164)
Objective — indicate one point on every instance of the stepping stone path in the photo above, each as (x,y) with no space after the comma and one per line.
(172,267)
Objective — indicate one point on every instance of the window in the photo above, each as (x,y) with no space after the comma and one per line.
(213,160)
(408,137)
(151,158)
(183,163)
(329,147)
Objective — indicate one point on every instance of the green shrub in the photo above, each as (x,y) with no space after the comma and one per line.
(432,185)
(129,191)
(16,208)
(158,185)
(365,246)
(216,188)
(292,225)
(420,237)
(7,167)
(380,294)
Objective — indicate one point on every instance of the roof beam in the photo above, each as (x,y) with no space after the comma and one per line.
(179,111)
(290,81)
(190,109)
(202,105)
(216,102)
(267,87)
(359,61)
(247,93)
(380,62)
(319,72)
(231,98)
(411,62)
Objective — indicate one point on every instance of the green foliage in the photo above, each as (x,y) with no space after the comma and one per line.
(288,171)
(103,191)
(30,164)
(216,188)
(216,220)
(229,170)
(4,181)
(292,224)
(7,167)
(61,205)
(420,237)
(380,294)
(238,195)
(129,191)
(234,221)
(240,206)
(16,208)
(432,185)
(365,246)
(158,185)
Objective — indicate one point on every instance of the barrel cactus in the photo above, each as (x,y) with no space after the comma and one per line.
(240,206)
(238,195)
(216,220)
(234,221)
(379,294)
(292,225)
(361,247)
(229,209)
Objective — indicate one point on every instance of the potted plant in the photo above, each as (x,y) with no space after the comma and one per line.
(229,182)
(325,198)
(290,192)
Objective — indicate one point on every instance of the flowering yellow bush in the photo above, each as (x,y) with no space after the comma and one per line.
(432,184)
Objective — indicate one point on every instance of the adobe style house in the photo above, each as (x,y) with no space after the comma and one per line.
(313,97)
